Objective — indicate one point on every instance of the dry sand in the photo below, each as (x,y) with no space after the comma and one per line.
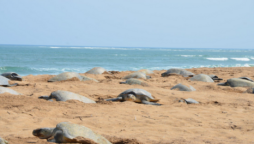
(225,114)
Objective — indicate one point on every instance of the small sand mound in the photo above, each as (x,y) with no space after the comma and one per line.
(71,79)
(114,72)
(116,140)
(112,77)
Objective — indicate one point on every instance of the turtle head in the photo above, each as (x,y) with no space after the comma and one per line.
(43,133)
(130,97)
(44,97)
(164,74)
(15,76)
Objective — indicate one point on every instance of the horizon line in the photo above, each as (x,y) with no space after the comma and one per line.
(118,46)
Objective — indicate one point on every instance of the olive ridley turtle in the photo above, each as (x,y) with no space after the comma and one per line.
(182,87)
(2,141)
(66,132)
(96,70)
(66,95)
(4,90)
(5,82)
(12,76)
(237,82)
(69,75)
(139,75)
(178,71)
(136,95)
(201,77)
(189,101)
(133,81)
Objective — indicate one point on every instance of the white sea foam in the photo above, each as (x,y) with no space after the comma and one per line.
(55,47)
(241,59)
(187,55)
(119,54)
(76,47)
(217,59)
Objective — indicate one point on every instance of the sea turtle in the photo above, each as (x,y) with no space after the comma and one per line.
(174,71)
(132,81)
(136,95)
(189,101)
(146,71)
(214,77)
(201,77)
(66,95)
(4,90)
(69,75)
(182,87)
(66,132)
(2,141)
(97,70)
(12,76)
(5,82)
(139,75)
(237,82)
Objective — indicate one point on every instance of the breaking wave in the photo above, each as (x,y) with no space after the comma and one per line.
(217,59)
(241,59)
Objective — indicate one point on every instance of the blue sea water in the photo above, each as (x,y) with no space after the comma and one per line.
(57,59)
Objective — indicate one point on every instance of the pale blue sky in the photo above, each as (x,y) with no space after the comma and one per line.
(129,23)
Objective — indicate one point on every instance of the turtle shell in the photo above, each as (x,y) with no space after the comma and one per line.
(96,70)
(139,75)
(182,87)
(4,90)
(179,71)
(65,76)
(66,95)
(4,81)
(137,91)
(67,132)
(237,82)
(202,77)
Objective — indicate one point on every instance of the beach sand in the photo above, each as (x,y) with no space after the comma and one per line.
(224,115)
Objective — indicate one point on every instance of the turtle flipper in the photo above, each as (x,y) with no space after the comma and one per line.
(150,103)
(217,79)
(44,97)
(57,137)
(154,100)
(122,82)
(114,99)
(51,140)
(11,85)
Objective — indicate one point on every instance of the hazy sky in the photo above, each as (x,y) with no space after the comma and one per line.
(129,23)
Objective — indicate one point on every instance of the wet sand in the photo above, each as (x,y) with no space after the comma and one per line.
(224,115)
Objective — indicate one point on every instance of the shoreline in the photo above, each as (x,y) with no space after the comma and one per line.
(224,114)
(139,69)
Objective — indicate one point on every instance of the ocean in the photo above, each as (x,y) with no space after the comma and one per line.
(53,60)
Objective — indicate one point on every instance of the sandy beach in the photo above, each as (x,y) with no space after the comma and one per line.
(224,115)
